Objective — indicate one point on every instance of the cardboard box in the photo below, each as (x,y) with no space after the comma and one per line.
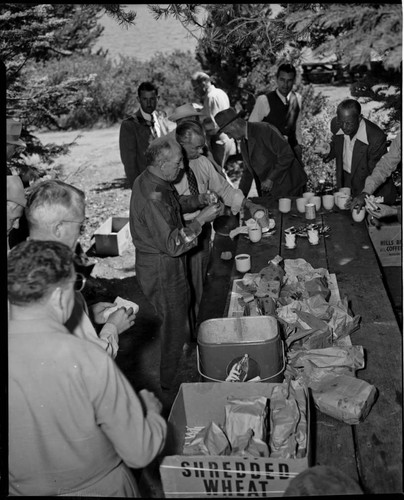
(386,241)
(113,236)
(198,476)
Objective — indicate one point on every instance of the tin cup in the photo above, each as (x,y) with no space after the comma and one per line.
(342,199)
(290,239)
(261,217)
(285,205)
(358,217)
(312,233)
(308,195)
(345,190)
(243,262)
(310,211)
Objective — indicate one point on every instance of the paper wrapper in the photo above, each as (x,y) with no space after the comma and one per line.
(288,421)
(244,414)
(120,302)
(345,398)
(211,440)
(248,446)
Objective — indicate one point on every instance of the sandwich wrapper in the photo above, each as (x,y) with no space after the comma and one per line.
(120,302)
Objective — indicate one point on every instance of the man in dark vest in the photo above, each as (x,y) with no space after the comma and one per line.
(139,129)
(282,108)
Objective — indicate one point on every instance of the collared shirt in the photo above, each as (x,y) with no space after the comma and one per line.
(73,415)
(153,117)
(155,217)
(209,179)
(262,109)
(349,144)
(215,100)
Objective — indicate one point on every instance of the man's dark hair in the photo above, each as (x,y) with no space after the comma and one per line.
(286,68)
(35,268)
(184,131)
(147,87)
(349,104)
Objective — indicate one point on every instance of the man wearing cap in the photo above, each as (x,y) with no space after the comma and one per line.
(200,177)
(214,100)
(15,203)
(267,156)
(139,129)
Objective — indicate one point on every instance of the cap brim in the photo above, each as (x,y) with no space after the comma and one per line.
(228,123)
(175,117)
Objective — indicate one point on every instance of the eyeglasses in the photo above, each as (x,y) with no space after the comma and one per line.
(81,222)
(79,282)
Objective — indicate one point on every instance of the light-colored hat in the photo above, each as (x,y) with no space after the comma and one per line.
(200,75)
(225,117)
(184,111)
(15,190)
(14,132)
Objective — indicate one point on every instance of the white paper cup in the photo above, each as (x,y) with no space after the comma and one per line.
(261,217)
(255,233)
(328,201)
(336,195)
(317,201)
(285,205)
(308,195)
(243,262)
(301,204)
(358,217)
(342,199)
(345,190)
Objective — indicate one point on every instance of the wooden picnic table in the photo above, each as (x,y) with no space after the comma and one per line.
(370,452)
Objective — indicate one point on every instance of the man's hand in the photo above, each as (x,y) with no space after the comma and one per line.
(358,202)
(267,185)
(209,213)
(383,211)
(208,198)
(122,318)
(97,311)
(151,402)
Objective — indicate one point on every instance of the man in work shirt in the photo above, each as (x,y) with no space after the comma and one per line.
(161,243)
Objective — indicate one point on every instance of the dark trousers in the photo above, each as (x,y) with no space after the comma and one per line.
(163,280)
(197,266)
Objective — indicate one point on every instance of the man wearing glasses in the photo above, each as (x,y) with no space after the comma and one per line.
(56,211)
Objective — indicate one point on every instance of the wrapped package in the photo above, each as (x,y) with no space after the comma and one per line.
(284,419)
(318,286)
(345,398)
(341,323)
(249,446)
(210,440)
(244,414)
(296,391)
(311,332)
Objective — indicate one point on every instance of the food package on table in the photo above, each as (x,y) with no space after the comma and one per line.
(287,438)
(244,414)
(301,270)
(317,286)
(311,332)
(315,305)
(313,365)
(210,440)
(249,446)
(345,398)
(341,323)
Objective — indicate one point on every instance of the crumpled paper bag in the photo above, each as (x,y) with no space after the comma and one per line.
(315,305)
(211,440)
(311,332)
(345,398)
(301,270)
(244,414)
(341,322)
(249,446)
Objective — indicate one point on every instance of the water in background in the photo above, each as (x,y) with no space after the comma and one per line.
(146,37)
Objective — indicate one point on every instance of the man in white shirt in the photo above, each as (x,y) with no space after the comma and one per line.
(282,108)
(214,100)
(357,145)
(55,212)
(139,129)
(200,174)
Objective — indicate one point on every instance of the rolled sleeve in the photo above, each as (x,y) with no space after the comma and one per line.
(109,334)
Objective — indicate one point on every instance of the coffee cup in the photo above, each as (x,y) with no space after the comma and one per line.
(336,195)
(261,217)
(243,262)
(342,199)
(255,233)
(358,216)
(345,190)
(317,201)
(328,201)
(285,205)
(308,195)
(301,204)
